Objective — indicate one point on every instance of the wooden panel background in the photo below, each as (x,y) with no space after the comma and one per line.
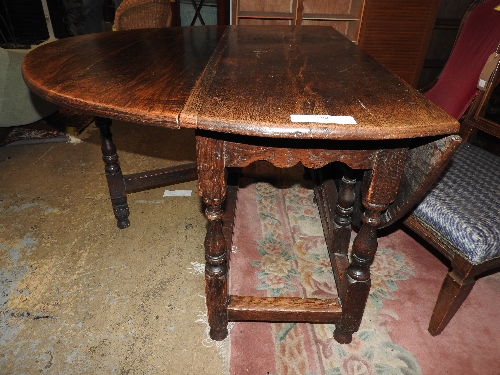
(343,15)
(255,9)
(263,6)
(339,9)
(397,34)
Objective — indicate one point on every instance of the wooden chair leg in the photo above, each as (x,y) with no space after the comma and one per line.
(453,293)
(114,174)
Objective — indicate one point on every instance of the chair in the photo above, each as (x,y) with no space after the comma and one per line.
(141,14)
(460,215)
(136,14)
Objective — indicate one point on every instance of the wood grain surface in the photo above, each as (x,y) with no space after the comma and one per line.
(238,79)
(262,75)
(142,76)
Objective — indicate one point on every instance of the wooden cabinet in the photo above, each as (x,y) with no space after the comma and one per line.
(395,32)
(263,12)
(343,15)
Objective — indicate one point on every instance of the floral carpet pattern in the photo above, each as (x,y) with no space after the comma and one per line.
(279,250)
(291,260)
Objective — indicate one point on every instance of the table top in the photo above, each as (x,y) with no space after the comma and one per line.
(236,79)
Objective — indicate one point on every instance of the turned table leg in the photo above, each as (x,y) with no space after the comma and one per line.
(212,189)
(216,271)
(380,187)
(114,174)
(356,281)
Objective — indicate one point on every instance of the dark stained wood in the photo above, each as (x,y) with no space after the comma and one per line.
(131,15)
(141,76)
(223,16)
(114,175)
(341,223)
(125,78)
(325,192)
(285,153)
(476,118)
(119,184)
(160,177)
(427,158)
(140,83)
(284,309)
(380,186)
(276,68)
(425,161)
(233,177)
(238,86)
(212,189)
(395,32)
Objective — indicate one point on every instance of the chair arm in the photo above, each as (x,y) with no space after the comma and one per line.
(424,164)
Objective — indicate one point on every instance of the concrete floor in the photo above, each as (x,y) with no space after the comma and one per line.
(80,296)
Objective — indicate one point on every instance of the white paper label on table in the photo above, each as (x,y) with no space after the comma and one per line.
(324,119)
(177,193)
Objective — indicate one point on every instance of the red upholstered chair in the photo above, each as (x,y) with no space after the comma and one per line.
(478,39)
(460,215)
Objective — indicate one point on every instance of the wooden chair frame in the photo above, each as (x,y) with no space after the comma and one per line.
(461,279)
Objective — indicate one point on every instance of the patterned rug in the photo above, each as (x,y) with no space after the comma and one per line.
(279,250)
(58,127)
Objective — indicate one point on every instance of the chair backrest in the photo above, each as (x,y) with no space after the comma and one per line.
(142,14)
(484,112)
(478,38)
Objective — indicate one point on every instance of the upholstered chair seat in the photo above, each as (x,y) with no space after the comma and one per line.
(464,207)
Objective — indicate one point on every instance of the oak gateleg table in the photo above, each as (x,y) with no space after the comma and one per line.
(238,87)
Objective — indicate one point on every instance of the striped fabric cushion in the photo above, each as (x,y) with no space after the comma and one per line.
(464,207)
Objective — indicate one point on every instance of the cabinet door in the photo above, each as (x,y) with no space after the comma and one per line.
(397,34)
